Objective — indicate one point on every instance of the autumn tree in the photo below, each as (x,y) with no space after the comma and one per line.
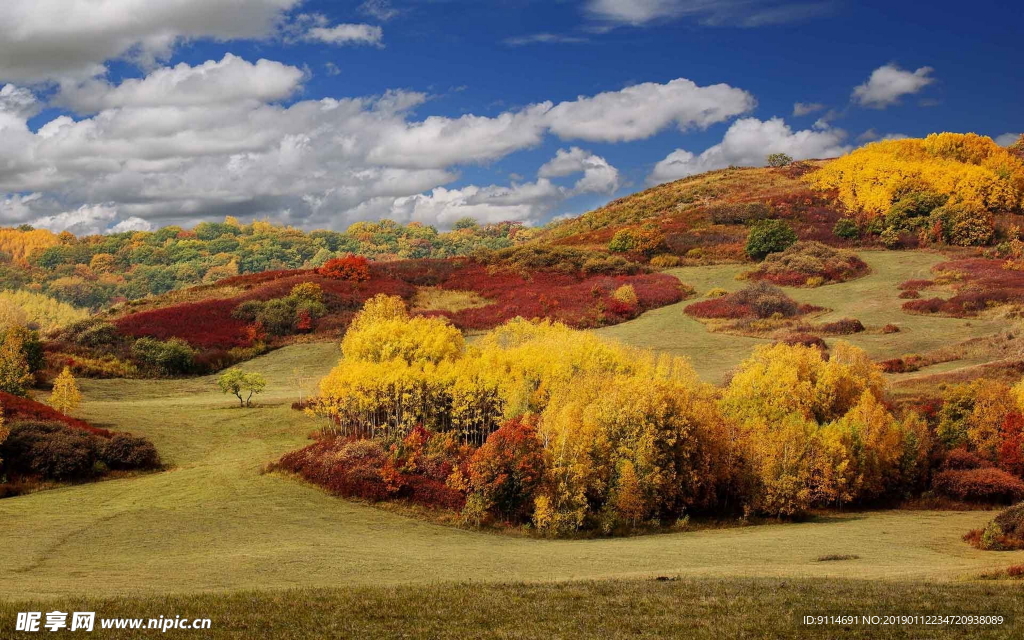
(15,375)
(507,470)
(4,432)
(65,396)
(242,385)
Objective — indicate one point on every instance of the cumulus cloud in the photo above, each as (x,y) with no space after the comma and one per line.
(806,108)
(211,83)
(889,83)
(185,144)
(42,40)
(748,142)
(91,220)
(743,13)
(1007,139)
(640,111)
(527,202)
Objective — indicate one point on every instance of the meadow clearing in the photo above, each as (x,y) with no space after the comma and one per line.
(216,534)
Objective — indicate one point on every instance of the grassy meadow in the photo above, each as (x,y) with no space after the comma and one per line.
(872,299)
(215,535)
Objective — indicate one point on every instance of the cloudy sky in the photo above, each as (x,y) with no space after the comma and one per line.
(131,114)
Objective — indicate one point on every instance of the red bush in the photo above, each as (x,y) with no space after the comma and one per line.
(508,468)
(204,324)
(350,268)
(914,285)
(911,294)
(16,408)
(805,340)
(979,485)
(962,460)
(1011,450)
(984,283)
(844,327)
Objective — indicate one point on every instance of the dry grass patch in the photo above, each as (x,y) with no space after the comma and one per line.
(438,299)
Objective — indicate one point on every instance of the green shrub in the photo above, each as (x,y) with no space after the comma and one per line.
(769,236)
(963,226)
(779,160)
(846,228)
(174,356)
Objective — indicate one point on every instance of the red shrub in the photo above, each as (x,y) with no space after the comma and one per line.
(890,328)
(1011,450)
(984,283)
(844,327)
(981,485)
(912,294)
(351,268)
(1016,571)
(962,460)
(204,324)
(914,285)
(16,408)
(508,468)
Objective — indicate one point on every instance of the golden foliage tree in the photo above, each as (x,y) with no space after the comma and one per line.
(19,245)
(15,375)
(66,395)
(972,170)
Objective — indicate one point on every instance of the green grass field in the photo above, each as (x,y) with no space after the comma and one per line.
(213,524)
(873,299)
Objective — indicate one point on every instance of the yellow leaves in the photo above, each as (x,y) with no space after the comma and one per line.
(22,307)
(65,397)
(973,170)
(383,332)
(19,245)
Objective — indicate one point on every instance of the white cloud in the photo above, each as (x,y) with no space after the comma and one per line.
(382,10)
(343,34)
(186,144)
(90,220)
(598,175)
(211,83)
(526,202)
(43,40)
(806,108)
(640,111)
(747,143)
(1007,139)
(18,102)
(889,83)
(743,13)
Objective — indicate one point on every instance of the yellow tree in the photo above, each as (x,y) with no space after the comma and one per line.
(66,396)
(15,375)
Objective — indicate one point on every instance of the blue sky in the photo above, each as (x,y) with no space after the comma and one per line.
(116,115)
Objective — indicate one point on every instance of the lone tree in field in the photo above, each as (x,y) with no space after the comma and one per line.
(242,385)
(66,396)
(779,160)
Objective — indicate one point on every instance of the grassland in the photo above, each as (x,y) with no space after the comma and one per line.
(873,299)
(707,608)
(215,523)
(265,555)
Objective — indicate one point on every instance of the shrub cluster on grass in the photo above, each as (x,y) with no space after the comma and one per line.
(1004,533)
(57,452)
(809,264)
(981,283)
(757,300)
